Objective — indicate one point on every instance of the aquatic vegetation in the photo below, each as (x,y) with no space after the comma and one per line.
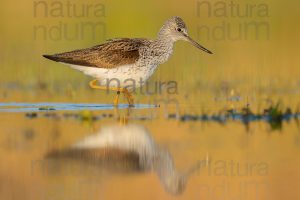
(31,115)
(275,115)
(46,108)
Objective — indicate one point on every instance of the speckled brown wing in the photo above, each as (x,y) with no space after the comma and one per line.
(113,53)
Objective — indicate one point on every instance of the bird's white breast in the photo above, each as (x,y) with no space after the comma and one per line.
(122,76)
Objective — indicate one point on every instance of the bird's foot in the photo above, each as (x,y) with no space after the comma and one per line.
(93,84)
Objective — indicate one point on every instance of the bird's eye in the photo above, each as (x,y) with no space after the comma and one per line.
(179,29)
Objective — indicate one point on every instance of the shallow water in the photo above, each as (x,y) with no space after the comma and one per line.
(39,107)
(134,154)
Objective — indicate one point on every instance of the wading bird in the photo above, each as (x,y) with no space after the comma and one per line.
(126,59)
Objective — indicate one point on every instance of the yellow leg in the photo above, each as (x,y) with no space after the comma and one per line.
(129,97)
(116,99)
(123,120)
(122,117)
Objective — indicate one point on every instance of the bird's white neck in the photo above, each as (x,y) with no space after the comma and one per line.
(165,43)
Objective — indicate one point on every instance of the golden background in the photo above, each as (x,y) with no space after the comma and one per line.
(258,72)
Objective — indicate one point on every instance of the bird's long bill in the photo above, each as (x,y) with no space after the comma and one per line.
(198,45)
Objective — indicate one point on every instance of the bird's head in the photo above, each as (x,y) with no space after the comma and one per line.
(175,29)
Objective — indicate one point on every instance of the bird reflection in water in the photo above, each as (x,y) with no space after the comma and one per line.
(130,148)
